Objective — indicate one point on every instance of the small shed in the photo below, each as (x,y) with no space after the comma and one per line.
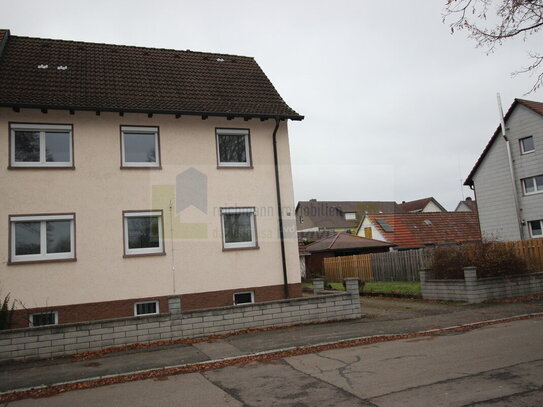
(340,244)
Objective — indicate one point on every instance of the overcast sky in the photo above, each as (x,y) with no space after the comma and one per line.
(396,107)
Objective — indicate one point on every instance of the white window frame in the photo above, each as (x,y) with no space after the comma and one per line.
(244,292)
(522,145)
(239,245)
(31,321)
(535,185)
(146,302)
(530,227)
(140,130)
(234,132)
(43,256)
(149,250)
(350,218)
(42,129)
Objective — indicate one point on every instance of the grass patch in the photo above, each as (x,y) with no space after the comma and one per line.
(380,287)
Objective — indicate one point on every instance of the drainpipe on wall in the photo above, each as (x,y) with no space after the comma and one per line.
(511,168)
(279,209)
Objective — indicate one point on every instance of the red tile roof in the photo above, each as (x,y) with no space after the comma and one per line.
(535,106)
(423,229)
(419,205)
(72,75)
(345,241)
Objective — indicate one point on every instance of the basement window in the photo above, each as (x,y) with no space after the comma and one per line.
(536,228)
(44,319)
(146,308)
(247,297)
(41,145)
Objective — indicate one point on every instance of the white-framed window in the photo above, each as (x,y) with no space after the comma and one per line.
(532,185)
(42,237)
(41,145)
(536,228)
(246,297)
(350,215)
(143,232)
(140,146)
(43,318)
(146,308)
(527,145)
(238,226)
(233,148)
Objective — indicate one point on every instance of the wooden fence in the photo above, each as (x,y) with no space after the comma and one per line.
(405,265)
(390,266)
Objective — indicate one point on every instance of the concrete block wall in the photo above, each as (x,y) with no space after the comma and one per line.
(475,290)
(49,341)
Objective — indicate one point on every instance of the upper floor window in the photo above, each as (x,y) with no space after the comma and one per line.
(536,228)
(233,148)
(533,185)
(41,145)
(143,233)
(527,145)
(42,238)
(239,230)
(140,146)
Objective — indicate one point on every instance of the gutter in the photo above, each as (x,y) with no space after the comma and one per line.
(279,209)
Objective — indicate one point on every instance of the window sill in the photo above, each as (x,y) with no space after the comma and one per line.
(533,193)
(143,254)
(16,263)
(229,249)
(140,168)
(527,152)
(16,167)
(235,167)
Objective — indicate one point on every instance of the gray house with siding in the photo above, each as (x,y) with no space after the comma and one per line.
(509,189)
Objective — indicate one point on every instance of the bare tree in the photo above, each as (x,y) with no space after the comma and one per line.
(490,22)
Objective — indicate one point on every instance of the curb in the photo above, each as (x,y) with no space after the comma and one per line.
(97,381)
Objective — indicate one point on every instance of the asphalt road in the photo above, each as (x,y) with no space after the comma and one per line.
(499,365)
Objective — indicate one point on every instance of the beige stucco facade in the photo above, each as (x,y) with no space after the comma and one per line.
(98,191)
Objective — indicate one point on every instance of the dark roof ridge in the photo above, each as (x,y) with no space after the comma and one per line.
(77,42)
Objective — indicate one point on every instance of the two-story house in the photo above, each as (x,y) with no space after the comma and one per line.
(129,175)
(508,176)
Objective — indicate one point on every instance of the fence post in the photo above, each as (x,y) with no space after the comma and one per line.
(352,287)
(318,285)
(470,283)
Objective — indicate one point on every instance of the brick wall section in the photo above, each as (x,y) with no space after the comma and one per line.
(43,342)
(474,290)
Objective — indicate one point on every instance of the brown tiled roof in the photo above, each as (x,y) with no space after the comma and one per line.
(310,237)
(419,205)
(535,106)
(331,214)
(434,228)
(302,251)
(89,76)
(345,241)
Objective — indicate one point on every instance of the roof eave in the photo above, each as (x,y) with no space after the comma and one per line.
(154,111)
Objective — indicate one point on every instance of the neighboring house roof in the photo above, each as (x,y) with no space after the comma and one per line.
(420,204)
(58,74)
(310,237)
(331,214)
(470,203)
(537,107)
(345,241)
(302,251)
(410,230)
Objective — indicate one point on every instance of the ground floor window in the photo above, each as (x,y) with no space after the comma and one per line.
(244,297)
(238,226)
(536,228)
(44,318)
(42,238)
(145,308)
(143,233)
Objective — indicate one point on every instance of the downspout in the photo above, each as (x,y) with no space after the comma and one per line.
(279,209)
(511,168)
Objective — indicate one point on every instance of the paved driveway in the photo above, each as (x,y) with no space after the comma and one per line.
(500,365)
